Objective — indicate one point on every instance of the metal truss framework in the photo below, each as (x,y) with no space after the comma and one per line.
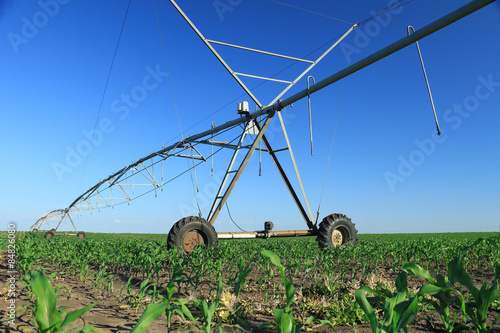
(139,178)
(121,187)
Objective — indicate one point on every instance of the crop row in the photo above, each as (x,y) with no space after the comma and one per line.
(288,279)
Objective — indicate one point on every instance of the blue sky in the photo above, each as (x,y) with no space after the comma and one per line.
(389,172)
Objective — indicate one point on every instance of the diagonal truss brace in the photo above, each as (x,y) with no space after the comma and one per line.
(220,198)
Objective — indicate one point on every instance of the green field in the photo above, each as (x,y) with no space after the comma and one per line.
(124,273)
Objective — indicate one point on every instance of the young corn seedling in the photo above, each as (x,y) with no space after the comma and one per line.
(243,273)
(441,288)
(208,311)
(84,275)
(143,292)
(169,306)
(99,278)
(129,287)
(483,298)
(284,317)
(399,308)
(110,279)
(48,319)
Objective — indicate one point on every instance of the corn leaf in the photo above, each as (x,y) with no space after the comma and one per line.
(418,271)
(47,318)
(367,308)
(72,316)
(408,312)
(152,312)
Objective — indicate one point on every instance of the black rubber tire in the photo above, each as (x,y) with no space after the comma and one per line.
(81,234)
(338,227)
(49,234)
(190,224)
(35,230)
(53,230)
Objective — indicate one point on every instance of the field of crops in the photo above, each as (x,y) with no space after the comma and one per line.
(124,282)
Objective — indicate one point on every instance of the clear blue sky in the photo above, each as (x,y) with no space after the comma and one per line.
(388,172)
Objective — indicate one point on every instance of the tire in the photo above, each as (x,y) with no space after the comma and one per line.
(34,230)
(192,231)
(81,235)
(336,230)
(53,230)
(49,234)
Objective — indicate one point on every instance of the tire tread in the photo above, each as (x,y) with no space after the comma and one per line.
(176,231)
(324,240)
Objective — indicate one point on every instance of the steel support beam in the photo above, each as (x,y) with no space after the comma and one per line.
(238,173)
(265,234)
(310,223)
(229,170)
(210,47)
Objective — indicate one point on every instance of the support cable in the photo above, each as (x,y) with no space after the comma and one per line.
(105,89)
(390,7)
(333,136)
(168,71)
(310,11)
(232,218)
(175,103)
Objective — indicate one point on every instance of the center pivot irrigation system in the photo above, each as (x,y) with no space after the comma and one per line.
(146,175)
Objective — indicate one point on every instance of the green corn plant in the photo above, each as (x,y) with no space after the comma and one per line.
(284,317)
(399,308)
(47,318)
(84,275)
(143,292)
(243,273)
(111,281)
(98,277)
(120,295)
(442,291)
(152,312)
(129,289)
(208,311)
(169,305)
(482,298)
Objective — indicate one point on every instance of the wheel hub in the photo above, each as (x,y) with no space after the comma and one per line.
(337,237)
(191,240)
